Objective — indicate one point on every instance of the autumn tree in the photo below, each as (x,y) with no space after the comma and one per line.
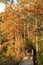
(19,24)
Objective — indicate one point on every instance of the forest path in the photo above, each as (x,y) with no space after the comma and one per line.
(26,61)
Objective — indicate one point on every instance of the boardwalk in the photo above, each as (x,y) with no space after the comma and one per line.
(26,61)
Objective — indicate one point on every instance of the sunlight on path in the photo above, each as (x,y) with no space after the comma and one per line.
(26,61)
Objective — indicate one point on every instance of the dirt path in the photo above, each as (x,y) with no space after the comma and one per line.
(27,61)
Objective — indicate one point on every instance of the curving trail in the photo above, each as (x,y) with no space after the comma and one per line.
(26,61)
